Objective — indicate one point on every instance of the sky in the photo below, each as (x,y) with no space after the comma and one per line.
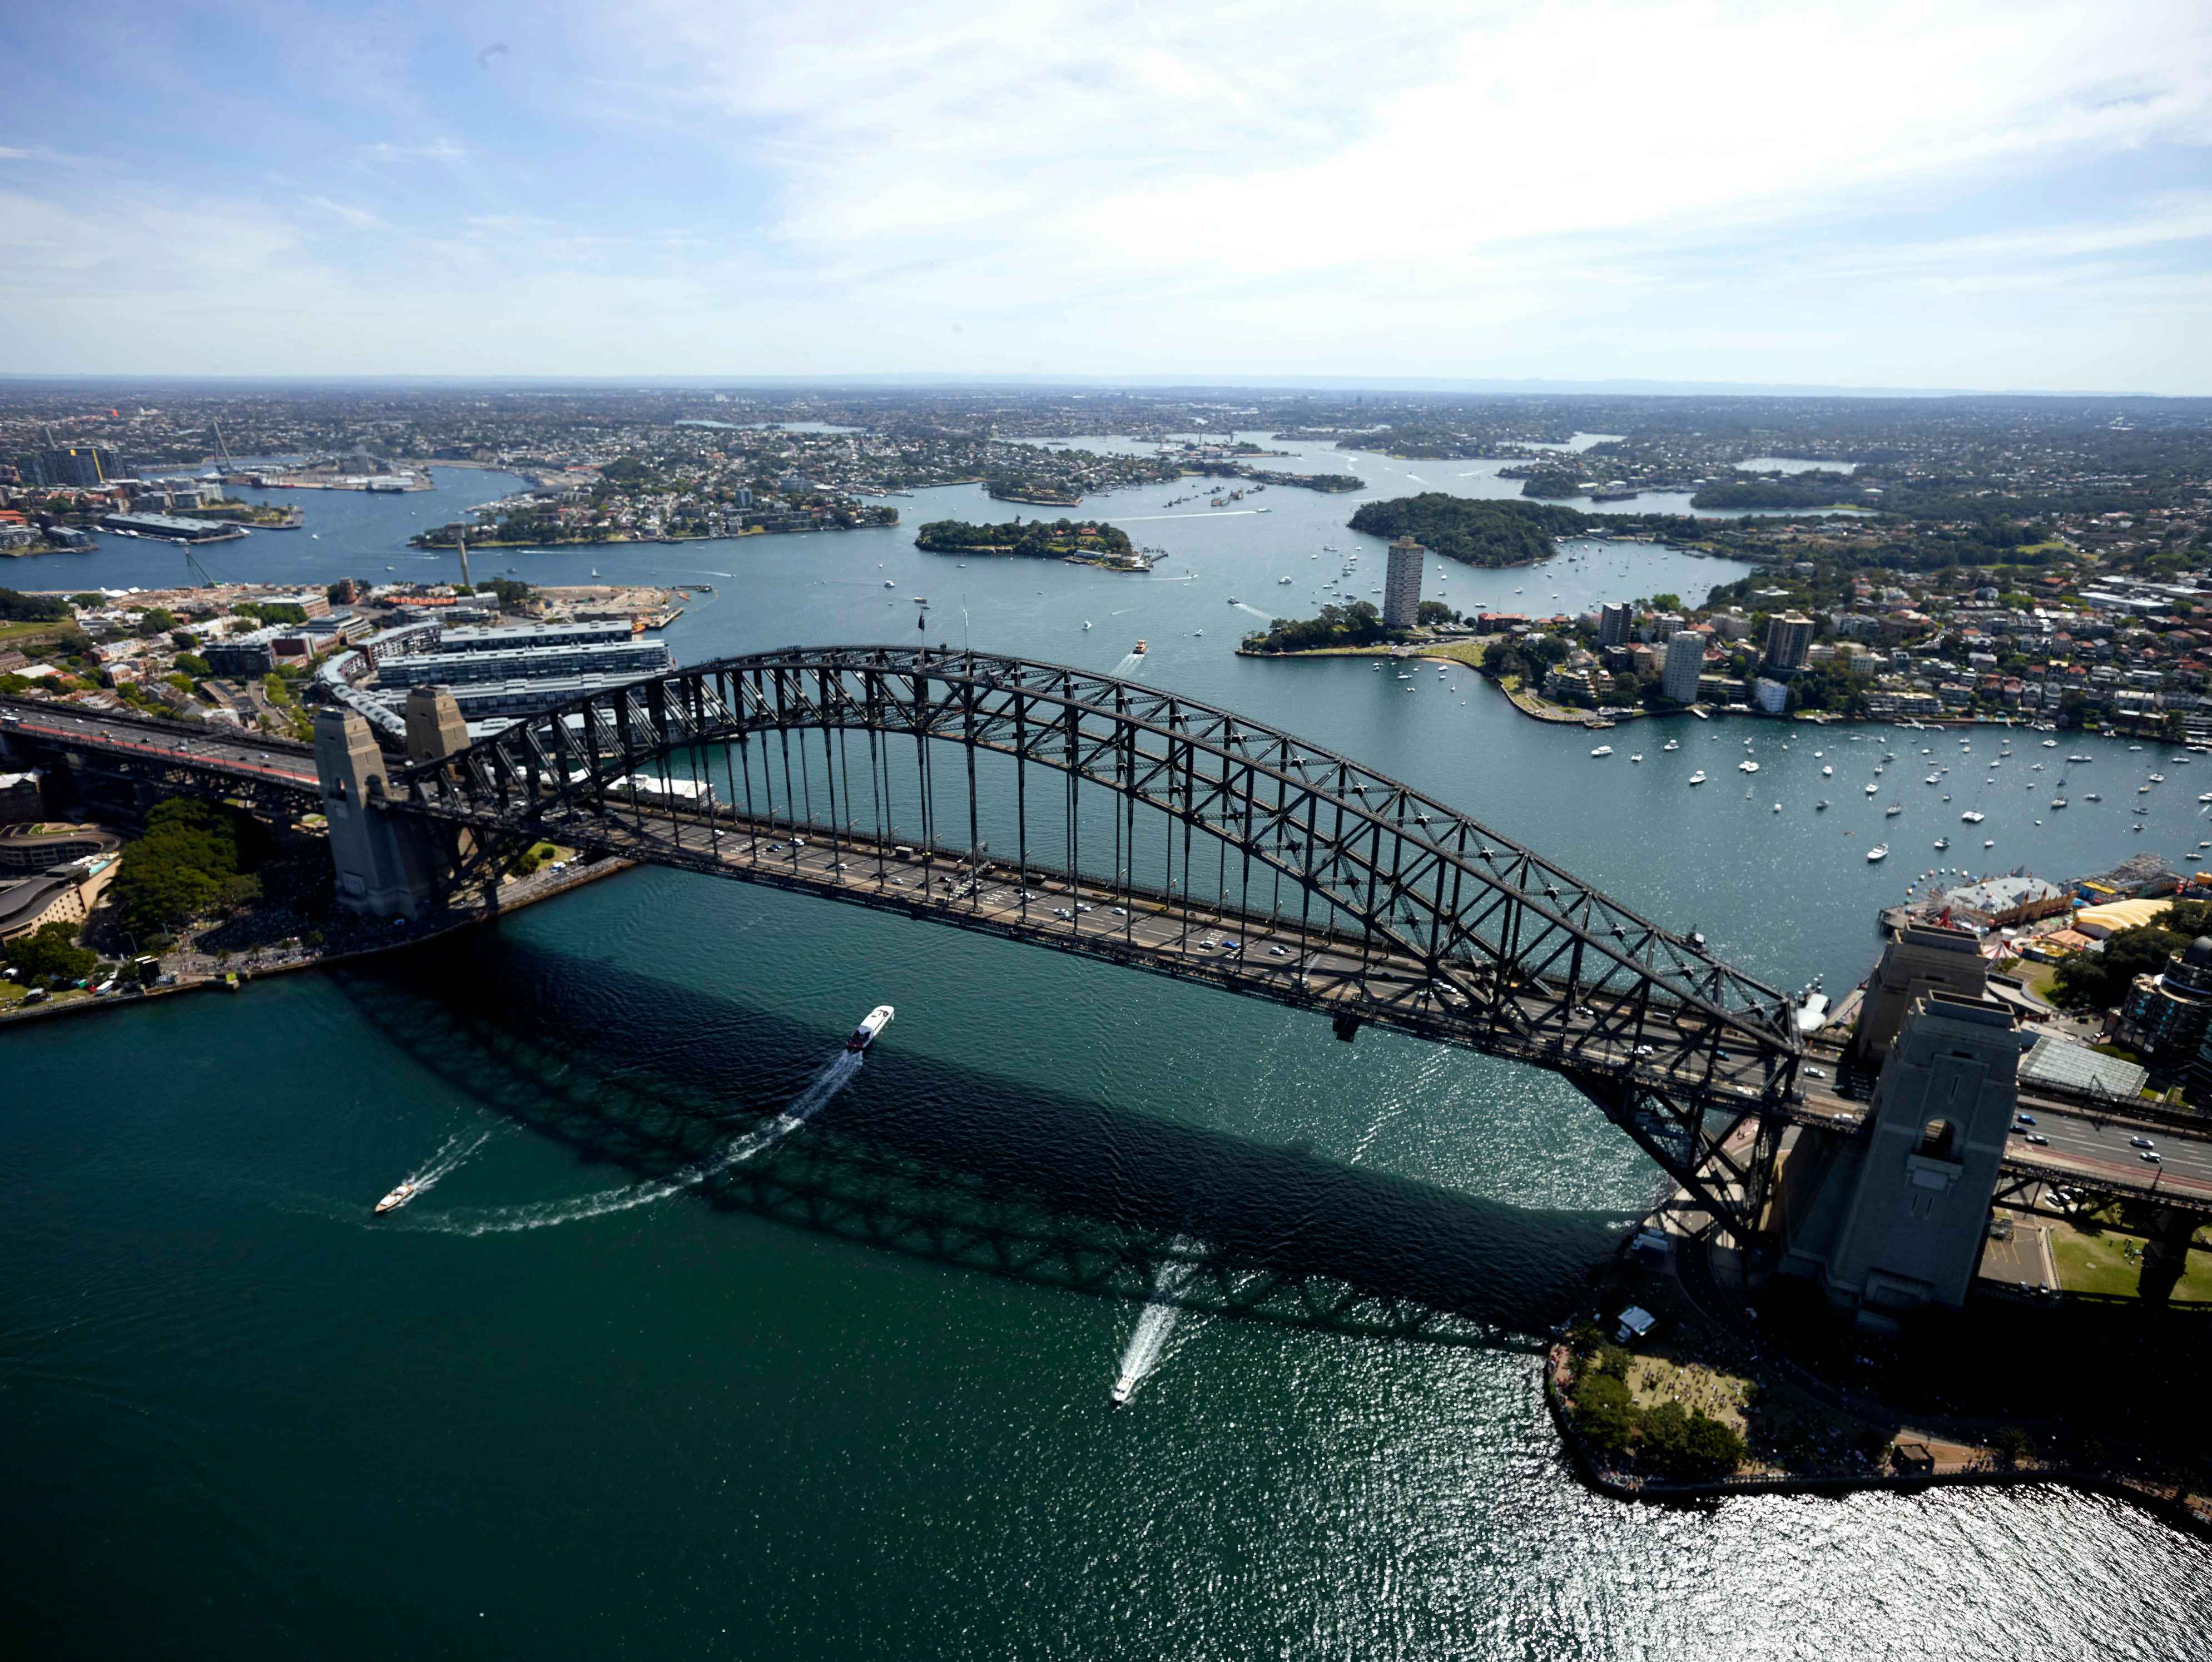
(2003,195)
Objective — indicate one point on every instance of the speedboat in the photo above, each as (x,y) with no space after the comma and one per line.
(398,1197)
(1119,1395)
(1879,851)
(1602,750)
(1672,744)
(870,1024)
(1698,778)
(1746,767)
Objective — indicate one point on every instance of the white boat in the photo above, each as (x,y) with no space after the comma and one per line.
(870,1024)
(1778,807)
(1989,842)
(1698,778)
(1973,816)
(1672,744)
(1602,750)
(398,1197)
(1746,767)
(1872,789)
(1892,811)
(1879,851)
(1942,843)
(1828,771)
(887,582)
(1638,756)
(1820,805)
(2058,802)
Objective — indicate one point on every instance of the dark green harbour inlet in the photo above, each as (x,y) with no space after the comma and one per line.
(603,1392)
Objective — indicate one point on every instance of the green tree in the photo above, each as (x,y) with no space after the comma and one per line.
(49,953)
(188,863)
(1605,1415)
(16,608)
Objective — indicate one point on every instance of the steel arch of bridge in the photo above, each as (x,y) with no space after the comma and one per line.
(1428,921)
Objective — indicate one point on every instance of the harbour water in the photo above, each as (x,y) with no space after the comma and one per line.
(730,1394)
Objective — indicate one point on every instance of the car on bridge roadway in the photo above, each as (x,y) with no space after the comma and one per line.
(2023,1119)
(2140,1142)
(2151,1154)
(2040,1142)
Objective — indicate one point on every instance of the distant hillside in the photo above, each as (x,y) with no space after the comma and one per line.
(1474,533)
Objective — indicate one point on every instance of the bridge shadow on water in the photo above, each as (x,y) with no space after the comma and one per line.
(963,1167)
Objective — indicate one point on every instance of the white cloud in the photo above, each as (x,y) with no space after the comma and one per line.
(1585,189)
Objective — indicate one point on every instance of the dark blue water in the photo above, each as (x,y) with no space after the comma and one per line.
(645,1372)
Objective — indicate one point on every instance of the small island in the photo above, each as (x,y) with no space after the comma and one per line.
(1474,533)
(1078,543)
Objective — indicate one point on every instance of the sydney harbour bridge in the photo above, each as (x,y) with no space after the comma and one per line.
(1103,817)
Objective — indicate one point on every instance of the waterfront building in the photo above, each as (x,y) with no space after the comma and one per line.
(1402,585)
(170,529)
(2001,902)
(533,634)
(625,657)
(1771,696)
(1789,639)
(1686,662)
(1614,623)
(2166,1017)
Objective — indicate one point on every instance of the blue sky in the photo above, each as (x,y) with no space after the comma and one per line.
(2015,195)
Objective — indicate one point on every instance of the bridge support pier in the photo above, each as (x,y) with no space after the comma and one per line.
(1346,1027)
(386,865)
(1897,1218)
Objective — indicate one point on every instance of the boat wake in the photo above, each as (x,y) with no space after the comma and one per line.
(1149,1341)
(1127,668)
(452,1153)
(547,1213)
(1256,612)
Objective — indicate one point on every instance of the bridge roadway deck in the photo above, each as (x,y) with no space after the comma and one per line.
(2093,1151)
(1257,953)
(207,748)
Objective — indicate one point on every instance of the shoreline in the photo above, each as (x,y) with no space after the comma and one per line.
(2167,1507)
(446,924)
(1968,1446)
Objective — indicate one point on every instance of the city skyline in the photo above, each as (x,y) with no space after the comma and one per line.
(1990,199)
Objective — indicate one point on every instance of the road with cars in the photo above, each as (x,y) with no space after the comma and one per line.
(252,755)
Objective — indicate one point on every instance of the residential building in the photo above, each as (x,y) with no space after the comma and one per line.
(1686,662)
(1402,585)
(1788,638)
(1614,623)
